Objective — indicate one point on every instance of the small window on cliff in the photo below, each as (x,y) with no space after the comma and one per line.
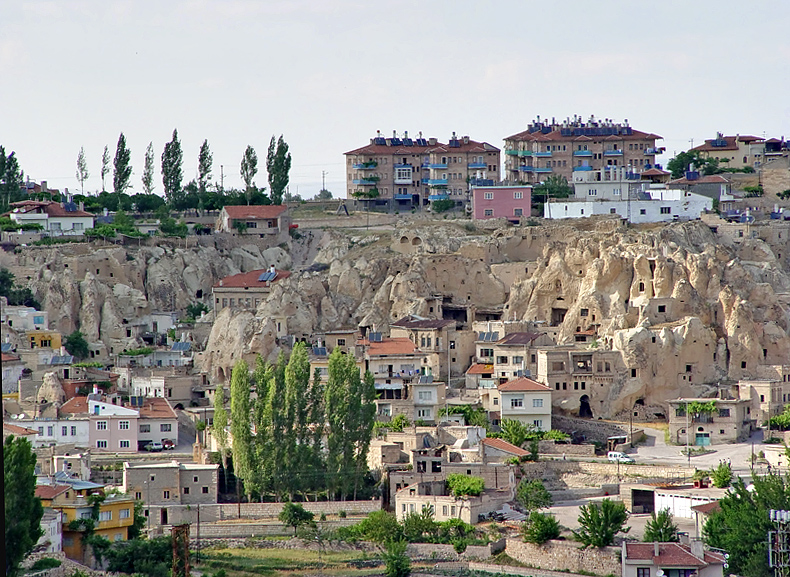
(584,312)
(633,373)
(662,308)
(641,287)
(743,364)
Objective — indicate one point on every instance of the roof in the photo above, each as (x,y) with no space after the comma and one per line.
(75,406)
(156,408)
(52,209)
(50,491)
(707,508)
(74,483)
(389,149)
(8,358)
(17,430)
(731,143)
(557,136)
(170,464)
(480,369)
(181,346)
(250,279)
(518,338)
(414,322)
(670,555)
(709,179)
(654,172)
(255,211)
(504,446)
(397,346)
(523,384)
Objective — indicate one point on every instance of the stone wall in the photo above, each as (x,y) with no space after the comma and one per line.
(561,475)
(242,530)
(554,448)
(500,569)
(566,556)
(593,430)
(429,551)
(67,566)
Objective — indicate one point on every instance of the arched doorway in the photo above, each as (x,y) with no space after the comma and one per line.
(585,412)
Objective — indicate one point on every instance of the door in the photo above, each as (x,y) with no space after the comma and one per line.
(164,516)
(703,439)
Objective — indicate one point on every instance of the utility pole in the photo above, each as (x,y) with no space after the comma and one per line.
(222,177)
(323,179)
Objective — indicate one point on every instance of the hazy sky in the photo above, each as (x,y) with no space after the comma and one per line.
(328,73)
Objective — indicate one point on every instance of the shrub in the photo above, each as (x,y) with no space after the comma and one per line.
(442,205)
(45,563)
(462,485)
(341,514)
(599,523)
(721,476)
(397,562)
(533,495)
(539,528)
(661,528)
(294,515)
(399,422)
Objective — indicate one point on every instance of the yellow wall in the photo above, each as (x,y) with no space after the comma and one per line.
(36,338)
(110,529)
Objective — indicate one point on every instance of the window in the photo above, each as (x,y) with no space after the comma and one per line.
(424,414)
(488,196)
(666,210)
(194,479)
(642,211)
(486,352)
(186,490)
(516,403)
(165,428)
(124,514)
(123,425)
(123,444)
(592,192)
(101,425)
(496,400)
(584,312)
(165,494)
(537,403)
(488,212)
(724,412)
(105,515)
(205,490)
(444,510)
(64,431)
(341,342)
(101,444)
(518,195)
(518,360)
(538,423)
(518,212)
(425,395)
(662,308)
(501,360)
(138,496)
(643,572)
(145,428)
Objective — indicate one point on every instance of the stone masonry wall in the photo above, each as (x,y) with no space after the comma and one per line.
(558,475)
(566,556)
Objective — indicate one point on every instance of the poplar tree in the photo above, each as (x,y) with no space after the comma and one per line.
(279,457)
(263,374)
(105,165)
(148,170)
(23,509)
(123,170)
(249,168)
(315,419)
(297,385)
(243,463)
(172,173)
(205,161)
(218,429)
(278,165)
(82,169)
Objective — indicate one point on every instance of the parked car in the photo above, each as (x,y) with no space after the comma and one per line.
(168,444)
(618,457)
(154,447)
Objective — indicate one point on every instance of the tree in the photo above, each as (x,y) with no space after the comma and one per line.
(148,171)
(380,527)
(461,485)
(82,169)
(533,495)
(721,475)
(240,425)
(76,345)
(398,423)
(105,166)
(515,432)
(11,177)
(599,523)
(278,165)
(683,161)
(395,559)
(555,186)
(249,168)
(205,160)
(123,170)
(742,523)
(23,510)
(219,428)
(294,515)
(172,161)
(324,194)
(660,527)
(539,528)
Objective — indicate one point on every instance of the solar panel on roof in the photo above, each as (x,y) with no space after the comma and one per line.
(495,336)
(375,337)
(408,142)
(425,379)
(380,140)
(319,351)
(6,347)
(181,347)
(267,276)
(70,206)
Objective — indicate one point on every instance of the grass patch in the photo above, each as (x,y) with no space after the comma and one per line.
(505,559)
(280,562)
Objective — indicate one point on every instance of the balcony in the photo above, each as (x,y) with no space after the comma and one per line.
(702,418)
(544,170)
(652,151)
(473,165)
(442,196)
(526,168)
(585,153)
(365,165)
(365,181)
(402,196)
(542,154)
(435,165)
(518,152)
(582,168)
(436,182)
(612,152)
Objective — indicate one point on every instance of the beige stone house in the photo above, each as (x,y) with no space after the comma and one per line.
(434,495)
(270,222)
(767,398)
(527,401)
(246,290)
(439,336)
(171,483)
(730,422)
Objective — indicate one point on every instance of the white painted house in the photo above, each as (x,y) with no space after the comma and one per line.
(74,430)
(527,401)
(55,218)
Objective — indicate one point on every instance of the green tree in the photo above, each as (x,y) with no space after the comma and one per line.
(442,205)
(297,425)
(172,174)
(323,194)
(136,528)
(515,432)
(461,485)
(219,428)
(380,527)
(683,160)
(147,202)
(661,528)
(599,523)
(148,172)
(294,515)
(82,169)
(539,528)
(398,423)
(555,186)
(194,310)
(742,523)
(122,173)
(76,345)
(11,177)
(533,495)
(105,166)
(721,476)
(205,161)
(396,561)
(240,425)
(23,510)
(249,168)
(278,165)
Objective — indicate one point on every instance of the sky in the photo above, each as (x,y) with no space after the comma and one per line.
(327,74)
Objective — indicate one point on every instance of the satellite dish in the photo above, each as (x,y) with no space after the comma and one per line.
(660,573)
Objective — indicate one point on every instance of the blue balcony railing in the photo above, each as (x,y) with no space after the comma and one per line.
(436,182)
(582,153)
(476,165)
(652,151)
(364,181)
(542,169)
(438,197)
(542,154)
(582,168)
(365,165)
(526,168)
(612,152)
(402,197)
(435,165)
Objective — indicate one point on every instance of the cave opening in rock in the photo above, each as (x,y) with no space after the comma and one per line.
(585,412)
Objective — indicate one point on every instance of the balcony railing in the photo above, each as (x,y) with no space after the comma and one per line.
(702,418)
(443,196)
(519,152)
(612,152)
(365,165)
(582,153)
(526,168)
(652,151)
(542,169)
(435,165)
(476,165)
(436,182)
(542,154)
(582,168)
(364,181)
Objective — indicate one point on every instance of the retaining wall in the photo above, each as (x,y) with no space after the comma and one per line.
(566,556)
(500,569)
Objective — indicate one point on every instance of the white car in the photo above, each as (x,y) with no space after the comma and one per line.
(154,447)
(618,457)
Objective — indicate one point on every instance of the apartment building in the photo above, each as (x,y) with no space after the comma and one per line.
(409,173)
(111,428)
(171,483)
(452,347)
(21,318)
(562,148)
(158,422)
(737,151)
(730,422)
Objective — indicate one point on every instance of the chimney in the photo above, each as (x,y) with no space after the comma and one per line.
(466,140)
(271,269)
(698,549)
(432,141)
(43,186)
(655,549)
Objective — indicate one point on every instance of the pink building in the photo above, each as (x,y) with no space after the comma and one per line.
(510,202)
(113,428)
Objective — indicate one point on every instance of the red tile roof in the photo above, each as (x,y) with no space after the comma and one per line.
(157,408)
(471,146)
(250,279)
(654,172)
(480,369)
(8,358)
(556,135)
(518,338)
(17,430)
(504,446)
(50,491)
(669,555)
(710,179)
(254,212)
(707,508)
(523,384)
(46,207)
(732,143)
(398,346)
(75,406)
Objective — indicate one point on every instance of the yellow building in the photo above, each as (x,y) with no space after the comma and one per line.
(44,339)
(116,515)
